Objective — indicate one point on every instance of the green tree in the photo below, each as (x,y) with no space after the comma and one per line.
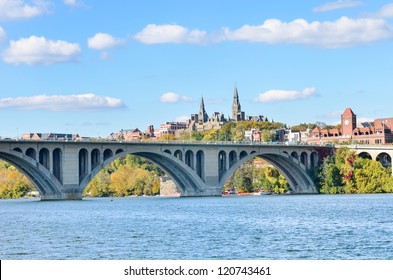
(332,180)
(345,172)
(13,183)
(268,135)
(304,126)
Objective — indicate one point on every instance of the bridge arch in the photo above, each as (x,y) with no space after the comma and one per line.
(189,159)
(365,155)
(200,164)
(295,155)
(46,184)
(293,171)
(185,179)
(95,158)
(314,159)
(83,164)
(385,159)
(107,154)
(222,164)
(232,158)
(57,156)
(30,152)
(44,157)
(304,159)
(178,154)
(243,154)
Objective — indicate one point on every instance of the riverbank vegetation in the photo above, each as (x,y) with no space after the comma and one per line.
(346,172)
(13,184)
(126,176)
(257,176)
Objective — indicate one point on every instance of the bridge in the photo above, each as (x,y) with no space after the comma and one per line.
(61,170)
(381,153)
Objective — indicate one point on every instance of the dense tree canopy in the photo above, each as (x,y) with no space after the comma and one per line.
(345,172)
(257,176)
(13,184)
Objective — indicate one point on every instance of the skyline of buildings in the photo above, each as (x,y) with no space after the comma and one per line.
(379,131)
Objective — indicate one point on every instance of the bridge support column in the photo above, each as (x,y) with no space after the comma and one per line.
(71,189)
(211,170)
(195,161)
(51,162)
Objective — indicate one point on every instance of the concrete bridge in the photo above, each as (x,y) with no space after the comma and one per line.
(381,153)
(61,170)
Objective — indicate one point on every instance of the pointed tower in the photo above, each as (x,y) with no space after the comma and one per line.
(237,114)
(348,122)
(202,116)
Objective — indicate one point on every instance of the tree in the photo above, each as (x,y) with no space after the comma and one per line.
(304,126)
(13,183)
(253,177)
(268,135)
(211,135)
(345,172)
(331,183)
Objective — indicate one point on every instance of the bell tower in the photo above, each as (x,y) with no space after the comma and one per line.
(348,122)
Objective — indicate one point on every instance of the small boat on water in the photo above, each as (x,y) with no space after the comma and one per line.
(263,193)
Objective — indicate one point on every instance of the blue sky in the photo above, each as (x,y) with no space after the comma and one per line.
(94,67)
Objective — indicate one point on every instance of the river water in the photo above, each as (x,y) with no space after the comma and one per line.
(251,227)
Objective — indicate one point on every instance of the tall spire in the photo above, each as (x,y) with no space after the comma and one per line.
(236,107)
(202,116)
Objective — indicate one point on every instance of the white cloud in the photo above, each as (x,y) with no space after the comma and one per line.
(341,4)
(18,9)
(331,115)
(285,95)
(3,35)
(63,103)
(344,32)
(171,97)
(103,41)
(74,3)
(170,33)
(386,11)
(39,50)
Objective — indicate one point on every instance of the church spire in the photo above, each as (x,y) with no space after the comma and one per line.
(202,116)
(236,107)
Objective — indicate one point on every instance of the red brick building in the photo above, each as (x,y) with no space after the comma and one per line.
(127,135)
(380,131)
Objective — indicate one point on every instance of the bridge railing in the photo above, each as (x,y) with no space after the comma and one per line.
(182,142)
